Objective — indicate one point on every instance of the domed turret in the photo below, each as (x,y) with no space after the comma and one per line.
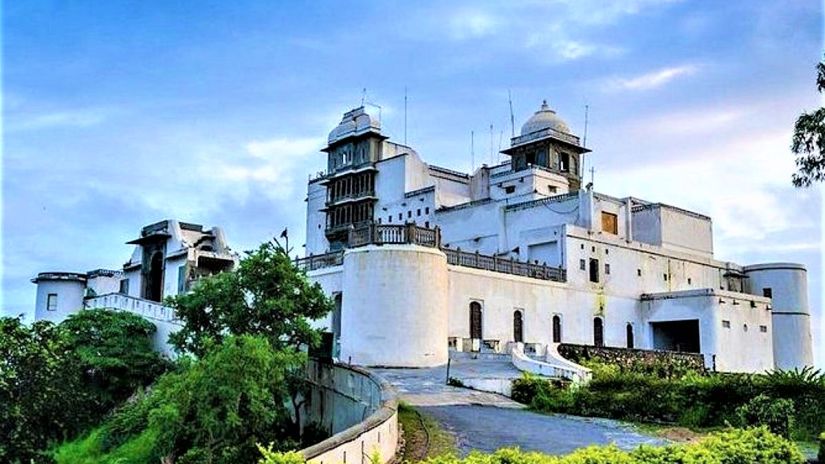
(542,119)
(354,122)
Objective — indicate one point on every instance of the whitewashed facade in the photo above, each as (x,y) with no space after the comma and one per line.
(626,272)
(168,257)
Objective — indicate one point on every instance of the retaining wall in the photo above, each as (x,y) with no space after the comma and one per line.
(357,407)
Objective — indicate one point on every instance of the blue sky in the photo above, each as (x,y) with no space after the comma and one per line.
(119,114)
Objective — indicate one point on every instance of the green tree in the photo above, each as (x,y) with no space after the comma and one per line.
(115,351)
(267,295)
(213,410)
(42,397)
(809,141)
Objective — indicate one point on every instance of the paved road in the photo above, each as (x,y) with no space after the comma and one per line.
(487,421)
(487,428)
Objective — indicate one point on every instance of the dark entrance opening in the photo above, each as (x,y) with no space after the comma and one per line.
(154,279)
(518,327)
(556,329)
(630,341)
(676,335)
(475,320)
(598,331)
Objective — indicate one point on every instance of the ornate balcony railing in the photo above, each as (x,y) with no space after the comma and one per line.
(387,234)
(504,265)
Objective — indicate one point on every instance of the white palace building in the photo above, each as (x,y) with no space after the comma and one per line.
(422,260)
(514,258)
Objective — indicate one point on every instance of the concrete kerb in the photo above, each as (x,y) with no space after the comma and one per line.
(388,411)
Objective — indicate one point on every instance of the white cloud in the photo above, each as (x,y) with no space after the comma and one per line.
(467,24)
(650,80)
(278,165)
(66,118)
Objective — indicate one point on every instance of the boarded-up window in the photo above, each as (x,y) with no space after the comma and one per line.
(610,223)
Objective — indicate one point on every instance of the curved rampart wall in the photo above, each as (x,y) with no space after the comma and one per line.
(357,407)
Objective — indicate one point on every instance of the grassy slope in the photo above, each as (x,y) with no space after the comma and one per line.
(422,441)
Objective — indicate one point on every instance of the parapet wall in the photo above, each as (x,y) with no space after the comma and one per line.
(357,407)
(625,357)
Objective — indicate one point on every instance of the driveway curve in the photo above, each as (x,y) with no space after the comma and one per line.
(486,421)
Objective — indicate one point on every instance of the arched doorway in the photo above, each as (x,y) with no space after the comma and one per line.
(556,329)
(154,284)
(598,331)
(629,330)
(475,320)
(518,327)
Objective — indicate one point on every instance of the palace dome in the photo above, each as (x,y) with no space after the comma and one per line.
(542,119)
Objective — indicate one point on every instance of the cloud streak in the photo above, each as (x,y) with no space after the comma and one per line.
(650,80)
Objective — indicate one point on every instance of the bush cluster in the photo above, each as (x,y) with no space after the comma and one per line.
(214,410)
(789,403)
(57,380)
(732,446)
(821,455)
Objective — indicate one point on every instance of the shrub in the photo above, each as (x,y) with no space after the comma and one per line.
(821,455)
(776,414)
(732,446)
(213,410)
(789,403)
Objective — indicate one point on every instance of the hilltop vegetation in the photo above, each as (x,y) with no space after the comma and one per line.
(57,380)
(239,379)
(791,404)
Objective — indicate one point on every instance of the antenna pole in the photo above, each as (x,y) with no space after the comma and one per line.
(512,120)
(363,96)
(472,151)
(586,118)
(500,138)
(592,174)
(405,115)
(491,144)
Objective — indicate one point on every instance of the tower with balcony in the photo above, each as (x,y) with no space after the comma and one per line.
(547,144)
(353,148)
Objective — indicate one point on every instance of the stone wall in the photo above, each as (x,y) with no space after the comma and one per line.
(358,408)
(626,357)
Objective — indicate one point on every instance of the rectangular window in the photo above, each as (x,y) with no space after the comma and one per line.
(379,220)
(124,286)
(51,302)
(767,292)
(400,216)
(418,212)
(510,189)
(427,210)
(607,268)
(639,272)
(427,224)
(726,324)
(409,214)
(582,264)
(664,276)
(689,281)
(182,279)
(763,328)
(594,270)
(610,223)
(552,189)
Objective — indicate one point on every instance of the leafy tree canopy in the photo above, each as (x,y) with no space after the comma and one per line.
(115,350)
(267,295)
(42,396)
(809,141)
(215,410)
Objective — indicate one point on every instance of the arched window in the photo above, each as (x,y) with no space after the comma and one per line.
(598,331)
(475,320)
(518,327)
(629,330)
(556,329)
